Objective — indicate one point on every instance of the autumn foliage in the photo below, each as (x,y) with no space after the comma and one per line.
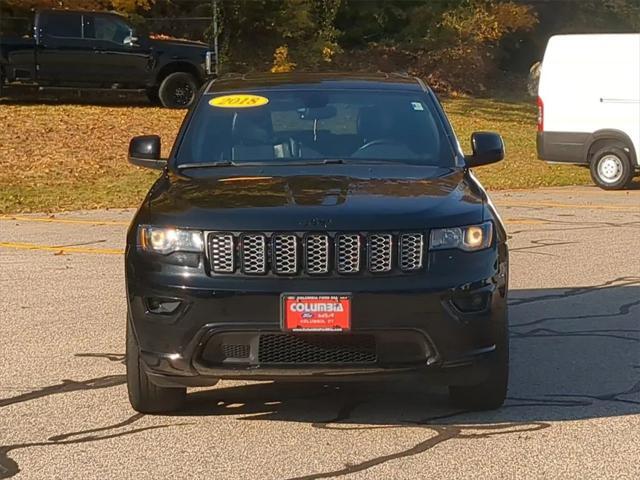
(459,46)
(129,6)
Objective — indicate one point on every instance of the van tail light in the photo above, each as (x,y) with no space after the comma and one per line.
(540,115)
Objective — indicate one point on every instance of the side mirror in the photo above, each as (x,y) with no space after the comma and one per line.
(487,147)
(130,41)
(144,151)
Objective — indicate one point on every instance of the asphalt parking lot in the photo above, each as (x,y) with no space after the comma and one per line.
(574,398)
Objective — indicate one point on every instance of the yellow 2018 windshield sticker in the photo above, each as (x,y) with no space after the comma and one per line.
(238,101)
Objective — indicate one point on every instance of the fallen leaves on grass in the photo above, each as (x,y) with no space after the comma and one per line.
(516,122)
(62,157)
(59,157)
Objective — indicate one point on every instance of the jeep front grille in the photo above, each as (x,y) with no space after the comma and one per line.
(348,253)
(285,258)
(380,252)
(222,252)
(411,249)
(315,254)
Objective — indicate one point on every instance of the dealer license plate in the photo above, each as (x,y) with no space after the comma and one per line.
(316,313)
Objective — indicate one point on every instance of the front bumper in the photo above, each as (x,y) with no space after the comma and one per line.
(222,327)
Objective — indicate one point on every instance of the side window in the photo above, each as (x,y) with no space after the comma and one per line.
(64,25)
(106,29)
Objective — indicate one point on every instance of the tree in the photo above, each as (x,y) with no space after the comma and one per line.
(128,6)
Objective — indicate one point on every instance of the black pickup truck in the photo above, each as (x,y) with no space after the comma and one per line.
(100,50)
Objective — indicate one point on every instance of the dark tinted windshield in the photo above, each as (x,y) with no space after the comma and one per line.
(287,126)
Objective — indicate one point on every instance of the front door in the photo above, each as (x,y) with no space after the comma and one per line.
(119,57)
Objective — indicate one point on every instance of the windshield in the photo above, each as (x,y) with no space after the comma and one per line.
(313,126)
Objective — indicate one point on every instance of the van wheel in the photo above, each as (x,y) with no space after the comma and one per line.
(178,90)
(611,168)
(144,396)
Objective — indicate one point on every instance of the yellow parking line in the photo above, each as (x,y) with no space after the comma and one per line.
(61,248)
(18,218)
(620,208)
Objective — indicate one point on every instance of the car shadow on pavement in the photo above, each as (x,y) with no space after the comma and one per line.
(575,354)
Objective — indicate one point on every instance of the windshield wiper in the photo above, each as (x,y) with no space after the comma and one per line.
(222,163)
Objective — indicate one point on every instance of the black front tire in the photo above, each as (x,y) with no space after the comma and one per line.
(492,392)
(144,396)
(178,90)
(611,168)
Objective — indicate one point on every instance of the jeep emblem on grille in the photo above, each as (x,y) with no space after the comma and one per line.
(316,222)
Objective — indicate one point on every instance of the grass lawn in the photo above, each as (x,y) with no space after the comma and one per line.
(64,157)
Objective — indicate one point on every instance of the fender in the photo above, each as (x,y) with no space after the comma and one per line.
(614,135)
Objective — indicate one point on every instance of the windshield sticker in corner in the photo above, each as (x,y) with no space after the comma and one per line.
(238,101)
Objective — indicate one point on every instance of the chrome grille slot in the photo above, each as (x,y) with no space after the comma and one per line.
(348,253)
(317,254)
(411,251)
(221,252)
(380,246)
(285,254)
(254,254)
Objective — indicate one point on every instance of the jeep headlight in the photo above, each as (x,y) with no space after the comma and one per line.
(165,241)
(469,238)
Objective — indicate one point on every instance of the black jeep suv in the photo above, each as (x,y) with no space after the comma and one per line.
(312,226)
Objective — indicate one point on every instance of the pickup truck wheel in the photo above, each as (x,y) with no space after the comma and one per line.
(144,396)
(178,90)
(611,168)
(492,392)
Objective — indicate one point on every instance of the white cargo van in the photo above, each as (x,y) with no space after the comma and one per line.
(589,105)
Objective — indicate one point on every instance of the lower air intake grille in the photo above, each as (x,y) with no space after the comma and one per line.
(292,349)
(235,350)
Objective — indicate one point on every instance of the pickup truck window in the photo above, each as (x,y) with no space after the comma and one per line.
(63,24)
(106,28)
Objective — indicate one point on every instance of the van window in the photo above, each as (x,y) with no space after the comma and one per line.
(62,24)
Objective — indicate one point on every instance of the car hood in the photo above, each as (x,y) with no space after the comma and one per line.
(332,197)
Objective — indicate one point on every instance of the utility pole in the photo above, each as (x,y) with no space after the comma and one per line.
(214,7)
